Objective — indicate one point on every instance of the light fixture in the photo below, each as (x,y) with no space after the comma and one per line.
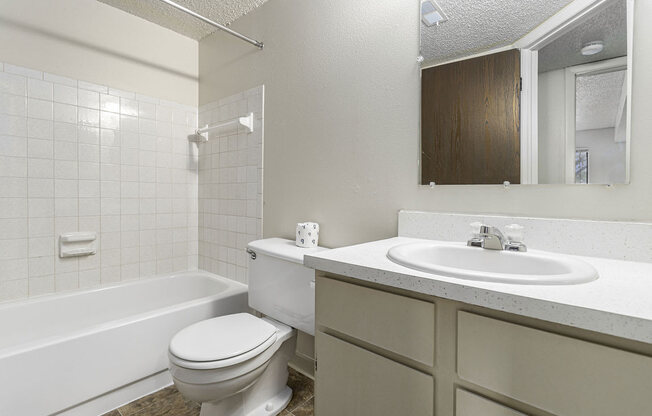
(432,14)
(592,48)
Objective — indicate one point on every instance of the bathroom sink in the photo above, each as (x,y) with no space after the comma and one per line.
(474,263)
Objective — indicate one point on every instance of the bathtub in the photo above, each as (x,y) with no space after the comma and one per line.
(87,352)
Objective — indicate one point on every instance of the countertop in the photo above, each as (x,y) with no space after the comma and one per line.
(618,303)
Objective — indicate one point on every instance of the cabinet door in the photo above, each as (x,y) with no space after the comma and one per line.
(469,404)
(351,381)
(395,323)
(561,375)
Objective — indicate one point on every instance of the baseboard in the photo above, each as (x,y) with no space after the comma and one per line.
(303,365)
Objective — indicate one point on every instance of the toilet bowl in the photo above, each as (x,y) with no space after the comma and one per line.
(236,365)
(220,363)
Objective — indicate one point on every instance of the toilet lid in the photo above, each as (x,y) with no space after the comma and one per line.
(221,338)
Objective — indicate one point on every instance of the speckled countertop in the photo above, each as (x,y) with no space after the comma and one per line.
(618,303)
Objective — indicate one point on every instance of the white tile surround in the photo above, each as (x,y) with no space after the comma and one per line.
(76,156)
(630,241)
(230,185)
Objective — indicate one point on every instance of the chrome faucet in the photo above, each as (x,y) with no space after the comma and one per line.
(491,238)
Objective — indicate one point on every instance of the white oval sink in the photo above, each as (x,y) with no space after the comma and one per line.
(474,263)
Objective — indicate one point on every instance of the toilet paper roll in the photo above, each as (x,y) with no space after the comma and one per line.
(307,234)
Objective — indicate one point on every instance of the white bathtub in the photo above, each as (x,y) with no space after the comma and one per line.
(86,352)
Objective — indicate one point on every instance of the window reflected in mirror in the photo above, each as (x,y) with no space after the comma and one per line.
(581,165)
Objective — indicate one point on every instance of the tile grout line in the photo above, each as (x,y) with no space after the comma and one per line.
(300,404)
(47,279)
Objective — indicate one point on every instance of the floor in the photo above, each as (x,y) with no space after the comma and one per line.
(169,402)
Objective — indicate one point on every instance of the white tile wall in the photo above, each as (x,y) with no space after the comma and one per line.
(230,185)
(81,156)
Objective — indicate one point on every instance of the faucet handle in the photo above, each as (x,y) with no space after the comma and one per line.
(514,232)
(474,229)
(474,235)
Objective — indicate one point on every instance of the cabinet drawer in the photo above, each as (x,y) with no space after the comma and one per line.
(469,404)
(353,381)
(561,375)
(396,323)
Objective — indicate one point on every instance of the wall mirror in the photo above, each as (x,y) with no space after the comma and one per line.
(525,92)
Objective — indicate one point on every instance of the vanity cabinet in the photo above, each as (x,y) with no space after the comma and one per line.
(559,374)
(383,351)
(469,404)
(368,384)
(398,324)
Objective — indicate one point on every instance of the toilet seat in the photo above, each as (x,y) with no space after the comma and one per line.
(221,342)
(234,364)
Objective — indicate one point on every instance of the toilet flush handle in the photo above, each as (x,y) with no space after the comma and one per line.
(251,253)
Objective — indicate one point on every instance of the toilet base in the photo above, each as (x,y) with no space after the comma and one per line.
(233,406)
(268,395)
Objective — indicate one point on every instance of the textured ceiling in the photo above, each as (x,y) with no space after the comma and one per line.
(476,26)
(609,26)
(598,99)
(222,11)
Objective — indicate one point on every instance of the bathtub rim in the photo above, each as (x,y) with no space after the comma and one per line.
(131,282)
(233,288)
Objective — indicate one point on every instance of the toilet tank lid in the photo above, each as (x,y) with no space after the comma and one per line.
(283,249)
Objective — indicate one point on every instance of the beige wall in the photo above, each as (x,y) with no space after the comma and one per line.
(90,41)
(342,122)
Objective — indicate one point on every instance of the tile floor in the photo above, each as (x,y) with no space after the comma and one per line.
(303,395)
(169,402)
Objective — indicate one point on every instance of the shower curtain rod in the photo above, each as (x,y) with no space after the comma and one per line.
(212,23)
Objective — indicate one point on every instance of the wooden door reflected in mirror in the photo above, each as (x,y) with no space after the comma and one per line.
(470,121)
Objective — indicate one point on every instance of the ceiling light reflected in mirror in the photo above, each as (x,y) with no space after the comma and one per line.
(432,14)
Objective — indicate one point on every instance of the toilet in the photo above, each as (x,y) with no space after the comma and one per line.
(236,365)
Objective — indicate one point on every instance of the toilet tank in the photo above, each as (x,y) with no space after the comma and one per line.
(280,286)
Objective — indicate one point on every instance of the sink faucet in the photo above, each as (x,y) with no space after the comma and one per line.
(491,238)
